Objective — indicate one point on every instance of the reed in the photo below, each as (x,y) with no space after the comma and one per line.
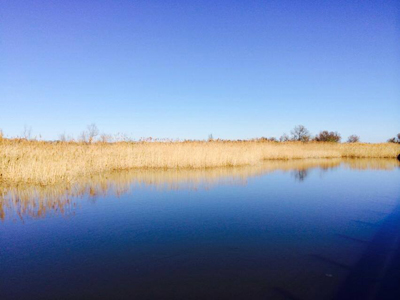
(40,162)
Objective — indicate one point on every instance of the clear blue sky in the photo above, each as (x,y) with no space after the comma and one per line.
(185,69)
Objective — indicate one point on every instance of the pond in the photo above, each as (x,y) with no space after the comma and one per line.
(306,229)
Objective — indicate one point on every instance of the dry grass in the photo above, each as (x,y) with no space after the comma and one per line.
(45,163)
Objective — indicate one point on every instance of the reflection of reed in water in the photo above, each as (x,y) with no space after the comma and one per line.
(38,201)
(301,173)
(371,164)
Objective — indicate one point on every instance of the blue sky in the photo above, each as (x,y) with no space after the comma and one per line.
(186,69)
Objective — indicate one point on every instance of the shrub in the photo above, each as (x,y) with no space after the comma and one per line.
(353,139)
(396,139)
(326,136)
(284,138)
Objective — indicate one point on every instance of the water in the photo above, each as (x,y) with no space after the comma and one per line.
(281,230)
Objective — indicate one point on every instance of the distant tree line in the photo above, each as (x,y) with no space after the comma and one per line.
(301,134)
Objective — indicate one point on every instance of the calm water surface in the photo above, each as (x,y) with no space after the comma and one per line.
(281,230)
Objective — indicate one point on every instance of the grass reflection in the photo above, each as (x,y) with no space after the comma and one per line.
(38,201)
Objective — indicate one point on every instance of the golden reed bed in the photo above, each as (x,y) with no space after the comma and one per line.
(45,163)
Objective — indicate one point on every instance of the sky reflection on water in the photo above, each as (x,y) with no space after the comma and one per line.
(273,231)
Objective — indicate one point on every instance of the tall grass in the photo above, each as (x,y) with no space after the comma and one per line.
(47,163)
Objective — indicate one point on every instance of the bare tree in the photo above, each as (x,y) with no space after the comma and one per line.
(83,137)
(395,139)
(284,138)
(210,137)
(123,137)
(106,138)
(300,133)
(62,137)
(353,139)
(92,132)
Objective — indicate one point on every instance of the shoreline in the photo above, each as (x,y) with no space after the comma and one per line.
(46,163)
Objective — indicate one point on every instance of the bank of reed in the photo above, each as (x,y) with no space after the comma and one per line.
(45,163)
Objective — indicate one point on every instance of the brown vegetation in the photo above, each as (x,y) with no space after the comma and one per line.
(47,163)
(353,138)
(326,136)
(395,139)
